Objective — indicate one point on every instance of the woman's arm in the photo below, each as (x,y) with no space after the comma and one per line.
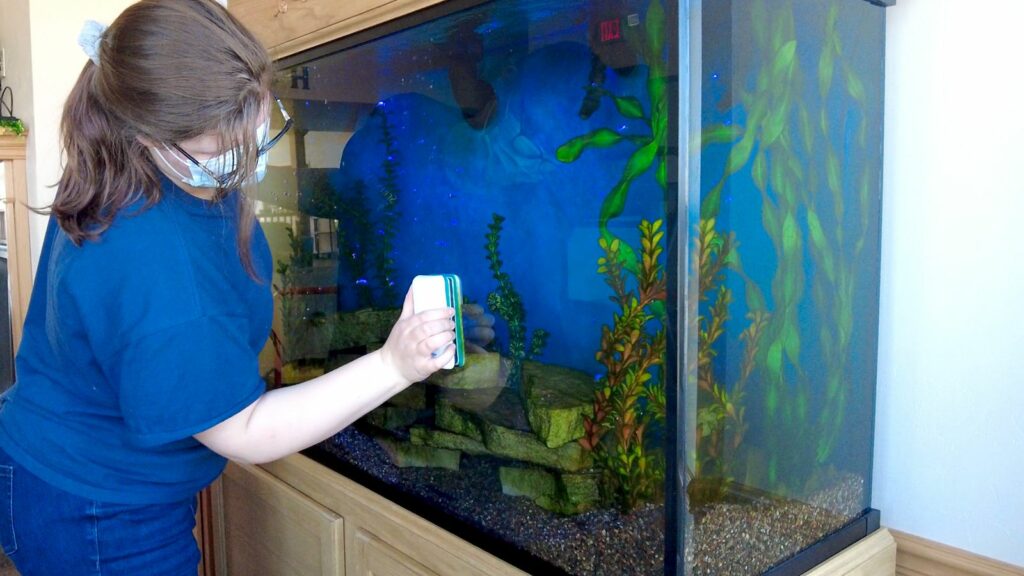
(290,419)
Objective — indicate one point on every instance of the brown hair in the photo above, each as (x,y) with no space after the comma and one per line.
(168,70)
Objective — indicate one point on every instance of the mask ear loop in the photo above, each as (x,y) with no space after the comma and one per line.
(184,179)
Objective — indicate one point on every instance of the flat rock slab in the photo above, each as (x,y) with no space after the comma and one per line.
(562,493)
(557,399)
(424,436)
(485,370)
(392,418)
(408,455)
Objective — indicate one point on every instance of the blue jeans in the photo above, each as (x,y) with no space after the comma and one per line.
(47,531)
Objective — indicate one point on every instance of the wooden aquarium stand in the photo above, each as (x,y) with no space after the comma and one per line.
(296,517)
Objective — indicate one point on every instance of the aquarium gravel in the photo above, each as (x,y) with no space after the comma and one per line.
(730,539)
(598,542)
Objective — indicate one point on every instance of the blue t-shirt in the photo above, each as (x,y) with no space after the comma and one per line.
(132,344)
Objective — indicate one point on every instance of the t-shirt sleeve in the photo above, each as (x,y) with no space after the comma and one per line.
(185,378)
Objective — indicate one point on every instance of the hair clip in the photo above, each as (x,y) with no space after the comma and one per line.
(89,39)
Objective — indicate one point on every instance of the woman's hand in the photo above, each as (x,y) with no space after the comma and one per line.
(477,328)
(420,344)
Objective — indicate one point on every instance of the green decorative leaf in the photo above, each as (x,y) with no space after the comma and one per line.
(740,154)
(791,343)
(826,67)
(770,221)
(640,161)
(854,86)
(790,236)
(709,204)
(629,106)
(783,64)
(662,174)
(720,134)
(600,138)
(820,244)
(805,128)
(758,169)
(773,360)
(832,169)
(655,27)
(776,121)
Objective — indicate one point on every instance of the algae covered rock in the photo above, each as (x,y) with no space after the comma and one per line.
(557,399)
(485,370)
(362,328)
(448,416)
(501,423)
(526,447)
(534,483)
(423,436)
(561,493)
(392,417)
(414,396)
(408,455)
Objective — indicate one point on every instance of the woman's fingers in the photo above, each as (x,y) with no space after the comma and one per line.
(406,306)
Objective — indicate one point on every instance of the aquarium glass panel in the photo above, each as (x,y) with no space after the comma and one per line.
(664,216)
(785,249)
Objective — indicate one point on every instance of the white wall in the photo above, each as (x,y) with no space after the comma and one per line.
(41,40)
(949,448)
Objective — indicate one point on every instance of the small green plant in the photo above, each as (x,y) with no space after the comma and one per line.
(292,307)
(357,240)
(506,303)
(12,125)
(630,399)
(385,244)
(720,425)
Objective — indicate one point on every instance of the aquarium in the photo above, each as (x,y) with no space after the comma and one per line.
(670,210)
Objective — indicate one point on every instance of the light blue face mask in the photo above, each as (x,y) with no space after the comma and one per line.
(212,173)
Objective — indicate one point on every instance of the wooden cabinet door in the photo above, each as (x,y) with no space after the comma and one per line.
(266,527)
(371,556)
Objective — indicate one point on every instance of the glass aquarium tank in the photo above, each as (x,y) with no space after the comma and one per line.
(670,210)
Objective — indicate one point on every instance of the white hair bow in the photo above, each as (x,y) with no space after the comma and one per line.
(89,39)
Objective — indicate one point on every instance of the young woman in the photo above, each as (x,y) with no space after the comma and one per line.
(138,375)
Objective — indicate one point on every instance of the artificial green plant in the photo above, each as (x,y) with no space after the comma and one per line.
(721,424)
(384,263)
(651,147)
(506,303)
(793,162)
(630,400)
(293,309)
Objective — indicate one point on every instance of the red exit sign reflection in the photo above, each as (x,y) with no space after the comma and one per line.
(610,30)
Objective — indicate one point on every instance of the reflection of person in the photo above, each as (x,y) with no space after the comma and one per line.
(137,374)
(477,328)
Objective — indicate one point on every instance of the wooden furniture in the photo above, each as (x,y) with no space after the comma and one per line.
(296,517)
(289,26)
(16,212)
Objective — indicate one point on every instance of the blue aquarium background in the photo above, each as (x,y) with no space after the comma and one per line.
(685,303)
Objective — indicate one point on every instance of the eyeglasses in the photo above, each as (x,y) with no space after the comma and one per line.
(263,149)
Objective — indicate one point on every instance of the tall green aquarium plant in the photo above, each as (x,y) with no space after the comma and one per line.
(798,122)
(630,399)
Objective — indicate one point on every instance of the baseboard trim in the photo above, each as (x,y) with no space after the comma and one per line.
(916,556)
